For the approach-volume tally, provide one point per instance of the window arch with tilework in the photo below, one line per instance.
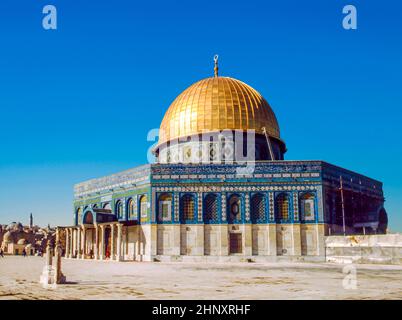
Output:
(131, 208)
(88, 218)
(307, 206)
(258, 208)
(234, 209)
(143, 206)
(107, 206)
(119, 209)
(187, 208)
(282, 207)
(165, 207)
(211, 208)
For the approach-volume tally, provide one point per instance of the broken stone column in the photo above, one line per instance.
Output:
(59, 278)
(47, 275)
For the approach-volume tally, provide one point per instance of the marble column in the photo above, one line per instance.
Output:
(78, 242)
(112, 254)
(84, 242)
(67, 254)
(68, 241)
(119, 235)
(57, 235)
(102, 246)
(71, 242)
(74, 242)
(96, 247)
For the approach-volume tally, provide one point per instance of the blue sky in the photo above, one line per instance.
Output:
(78, 102)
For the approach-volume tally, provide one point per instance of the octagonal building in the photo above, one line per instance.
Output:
(220, 189)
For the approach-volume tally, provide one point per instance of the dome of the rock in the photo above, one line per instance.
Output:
(212, 106)
(215, 104)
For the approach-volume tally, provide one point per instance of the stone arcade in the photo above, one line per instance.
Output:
(195, 203)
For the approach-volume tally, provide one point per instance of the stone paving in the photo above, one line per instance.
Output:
(19, 279)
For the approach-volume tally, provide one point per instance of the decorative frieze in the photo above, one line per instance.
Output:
(153, 205)
(223, 205)
(204, 188)
(295, 206)
(247, 204)
(176, 207)
(271, 206)
(233, 176)
(199, 196)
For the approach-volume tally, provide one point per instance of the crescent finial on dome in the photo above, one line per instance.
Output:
(216, 68)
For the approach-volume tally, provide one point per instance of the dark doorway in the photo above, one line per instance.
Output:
(108, 238)
(235, 240)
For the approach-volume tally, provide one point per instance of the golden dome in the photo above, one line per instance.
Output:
(216, 104)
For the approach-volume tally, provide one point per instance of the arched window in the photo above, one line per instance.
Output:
(211, 208)
(130, 208)
(307, 206)
(143, 206)
(119, 209)
(79, 216)
(94, 206)
(88, 218)
(187, 207)
(282, 207)
(234, 207)
(107, 206)
(257, 208)
(165, 207)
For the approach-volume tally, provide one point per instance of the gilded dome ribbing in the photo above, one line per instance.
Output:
(216, 104)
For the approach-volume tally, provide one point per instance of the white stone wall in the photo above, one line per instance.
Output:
(378, 249)
(137, 243)
(194, 240)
